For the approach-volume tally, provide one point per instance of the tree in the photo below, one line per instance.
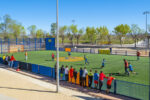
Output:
(62, 31)
(135, 32)
(4, 26)
(78, 35)
(17, 29)
(53, 29)
(121, 31)
(73, 30)
(32, 30)
(103, 32)
(91, 33)
(39, 33)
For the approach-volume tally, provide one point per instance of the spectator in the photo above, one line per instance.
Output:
(66, 73)
(26, 55)
(4, 59)
(71, 73)
(62, 70)
(53, 56)
(101, 79)
(90, 74)
(85, 72)
(138, 55)
(126, 67)
(81, 73)
(8, 60)
(96, 79)
(109, 81)
(75, 75)
(12, 59)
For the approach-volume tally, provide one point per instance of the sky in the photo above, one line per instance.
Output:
(85, 13)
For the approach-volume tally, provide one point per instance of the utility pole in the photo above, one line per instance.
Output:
(57, 32)
(146, 13)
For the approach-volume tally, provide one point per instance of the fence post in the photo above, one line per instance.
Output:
(126, 53)
(8, 45)
(35, 44)
(23, 44)
(40, 42)
(90, 50)
(1, 46)
(29, 43)
(115, 86)
(16, 41)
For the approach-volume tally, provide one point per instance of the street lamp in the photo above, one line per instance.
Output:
(57, 32)
(146, 13)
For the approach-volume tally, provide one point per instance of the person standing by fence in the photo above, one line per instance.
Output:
(81, 73)
(71, 73)
(66, 73)
(138, 55)
(85, 72)
(75, 75)
(109, 81)
(96, 79)
(90, 74)
(12, 59)
(101, 79)
(62, 72)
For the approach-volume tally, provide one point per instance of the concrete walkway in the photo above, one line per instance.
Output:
(22, 87)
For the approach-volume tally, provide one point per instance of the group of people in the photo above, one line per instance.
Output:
(8, 60)
(97, 77)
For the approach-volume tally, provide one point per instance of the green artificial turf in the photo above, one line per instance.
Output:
(114, 63)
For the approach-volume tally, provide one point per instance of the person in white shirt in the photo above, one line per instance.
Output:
(66, 73)
(85, 72)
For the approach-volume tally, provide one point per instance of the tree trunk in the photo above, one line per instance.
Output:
(135, 43)
(120, 41)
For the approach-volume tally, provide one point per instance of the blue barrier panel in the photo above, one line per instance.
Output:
(45, 71)
(53, 72)
(1, 60)
(35, 68)
(16, 63)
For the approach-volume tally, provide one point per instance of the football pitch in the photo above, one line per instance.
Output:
(114, 63)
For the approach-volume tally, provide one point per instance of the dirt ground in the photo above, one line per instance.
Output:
(21, 87)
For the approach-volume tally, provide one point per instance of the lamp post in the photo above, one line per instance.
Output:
(57, 32)
(146, 13)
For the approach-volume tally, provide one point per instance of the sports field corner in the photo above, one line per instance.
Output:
(16, 86)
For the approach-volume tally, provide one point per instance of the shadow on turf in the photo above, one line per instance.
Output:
(48, 60)
(27, 89)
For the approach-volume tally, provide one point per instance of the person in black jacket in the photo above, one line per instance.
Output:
(75, 74)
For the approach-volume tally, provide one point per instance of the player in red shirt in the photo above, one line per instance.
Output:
(101, 79)
(71, 73)
(138, 55)
(109, 81)
(53, 56)
(12, 59)
(126, 67)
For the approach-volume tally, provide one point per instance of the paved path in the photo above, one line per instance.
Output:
(21, 87)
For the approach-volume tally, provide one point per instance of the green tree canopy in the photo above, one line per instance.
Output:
(91, 34)
(32, 30)
(39, 33)
(53, 29)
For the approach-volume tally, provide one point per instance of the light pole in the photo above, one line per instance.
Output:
(57, 32)
(146, 13)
